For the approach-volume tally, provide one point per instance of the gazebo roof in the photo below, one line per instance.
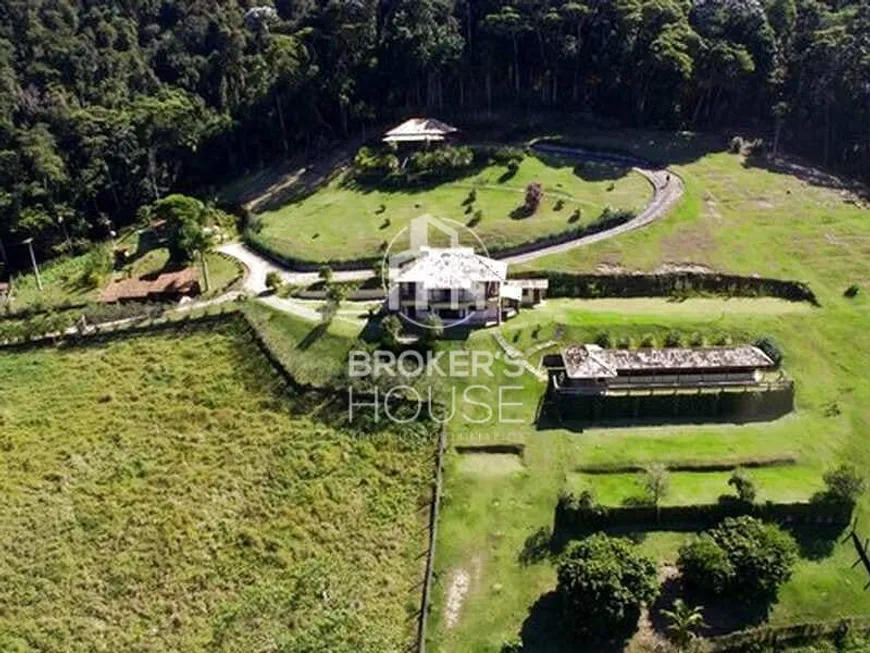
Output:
(418, 130)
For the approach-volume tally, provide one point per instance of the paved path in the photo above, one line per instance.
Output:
(258, 267)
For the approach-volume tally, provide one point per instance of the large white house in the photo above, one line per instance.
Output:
(458, 285)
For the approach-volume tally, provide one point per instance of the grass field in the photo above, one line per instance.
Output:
(341, 221)
(158, 496)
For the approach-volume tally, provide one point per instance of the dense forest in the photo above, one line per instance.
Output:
(106, 105)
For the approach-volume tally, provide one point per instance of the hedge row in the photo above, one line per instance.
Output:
(693, 466)
(803, 634)
(515, 449)
(573, 516)
(566, 284)
(745, 406)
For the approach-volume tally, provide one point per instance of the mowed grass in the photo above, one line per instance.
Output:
(341, 221)
(779, 484)
(487, 518)
(158, 496)
(746, 220)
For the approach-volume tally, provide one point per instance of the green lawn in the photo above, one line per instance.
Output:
(780, 484)
(734, 218)
(158, 496)
(340, 221)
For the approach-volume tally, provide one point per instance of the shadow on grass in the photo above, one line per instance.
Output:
(543, 631)
(313, 336)
(805, 172)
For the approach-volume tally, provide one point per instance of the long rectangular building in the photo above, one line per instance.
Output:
(590, 369)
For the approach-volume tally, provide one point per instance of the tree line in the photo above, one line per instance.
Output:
(106, 107)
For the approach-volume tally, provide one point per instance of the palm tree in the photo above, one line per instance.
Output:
(683, 620)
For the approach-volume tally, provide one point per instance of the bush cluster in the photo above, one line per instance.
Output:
(506, 155)
(602, 583)
(34, 327)
(743, 557)
(372, 164)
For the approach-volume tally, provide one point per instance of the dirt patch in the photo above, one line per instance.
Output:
(490, 464)
(460, 582)
(649, 636)
(605, 267)
(711, 208)
(762, 203)
(671, 267)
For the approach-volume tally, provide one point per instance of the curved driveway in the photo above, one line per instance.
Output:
(667, 191)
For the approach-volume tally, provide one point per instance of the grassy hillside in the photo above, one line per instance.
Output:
(158, 496)
(342, 221)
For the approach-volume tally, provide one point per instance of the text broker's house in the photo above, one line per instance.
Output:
(456, 284)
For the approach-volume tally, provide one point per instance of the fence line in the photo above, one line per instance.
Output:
(434, 510)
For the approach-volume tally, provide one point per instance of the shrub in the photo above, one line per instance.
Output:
(534, 195)
(325, 273)
(440, 163)
(559, 205)
(648, 340)
(736, 145)
(505, 156)
(743, 485)
(852, 291)
(374, 165)
(602, 583)
(697, 339)
(673, 339)
(760, 558)
(434, 329)
(704, 564)
(575, 216)
(97, 265)
(274, 281)
(391, 330)
(656, 483)
(624, 342)
(512, 168)
(604, 339)
(723, 340)
(770, 347)
(476, 218)
(844, 484)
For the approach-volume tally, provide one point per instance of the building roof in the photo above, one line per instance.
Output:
(179, 282)
(419, 130)
(453, 267)
(591, 361)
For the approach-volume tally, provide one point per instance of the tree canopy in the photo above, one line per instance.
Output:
(743, 557)
(602, 583)
(105, 107)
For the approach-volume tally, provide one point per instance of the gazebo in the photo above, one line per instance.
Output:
(421, 130)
